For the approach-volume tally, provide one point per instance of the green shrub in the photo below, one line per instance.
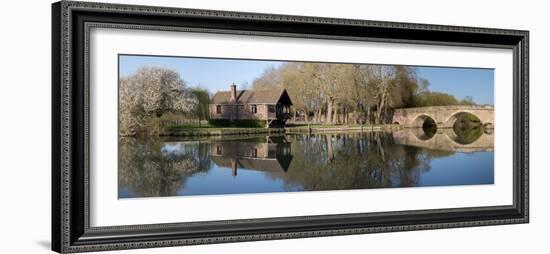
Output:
(237, 123)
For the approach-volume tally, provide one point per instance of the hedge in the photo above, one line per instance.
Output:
(238, 123)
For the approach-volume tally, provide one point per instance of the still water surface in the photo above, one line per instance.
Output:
(302, 162)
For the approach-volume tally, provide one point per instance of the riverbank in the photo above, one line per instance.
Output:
(210, 131)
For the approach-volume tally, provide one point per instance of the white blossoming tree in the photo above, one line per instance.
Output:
(146, 95)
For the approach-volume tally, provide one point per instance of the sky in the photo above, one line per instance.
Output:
(218, 74)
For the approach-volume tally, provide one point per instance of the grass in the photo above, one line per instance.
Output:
(211, 130)
(320, 126)
(210, 126)
(193, 126)
(243, 123)
(195, 130)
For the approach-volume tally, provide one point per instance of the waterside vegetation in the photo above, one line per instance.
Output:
(324, 96)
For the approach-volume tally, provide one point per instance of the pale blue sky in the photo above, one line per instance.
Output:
(461, 82)
(218, 74)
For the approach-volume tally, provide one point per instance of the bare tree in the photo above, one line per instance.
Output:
(201, 111)
(331, 92)
(385, 77)
(270, 78)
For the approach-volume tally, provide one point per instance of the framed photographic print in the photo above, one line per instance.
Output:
(181, 126)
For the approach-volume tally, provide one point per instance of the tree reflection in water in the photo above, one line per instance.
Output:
(354, 161)
(151, 168)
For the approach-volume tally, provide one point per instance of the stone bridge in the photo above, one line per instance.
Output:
(443, 116)
(444, 139)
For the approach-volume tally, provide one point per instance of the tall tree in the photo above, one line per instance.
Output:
(269, 79)
(315, 98)
(331, 92)
(385, 77)
(147, 95)
(201, 111)
(297, 84)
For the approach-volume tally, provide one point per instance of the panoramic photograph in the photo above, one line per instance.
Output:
(212, 126)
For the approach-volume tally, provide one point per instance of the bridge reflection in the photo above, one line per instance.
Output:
(446, 139)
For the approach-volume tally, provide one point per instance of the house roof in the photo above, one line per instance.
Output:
(271, 96)
(258, 164)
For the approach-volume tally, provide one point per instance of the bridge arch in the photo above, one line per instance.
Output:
(424, 120)
(444, 116)
(453, 117)
(428, 127)
(449, 136)
(421, 135)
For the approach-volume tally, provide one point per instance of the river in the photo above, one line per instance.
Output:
(303, 162)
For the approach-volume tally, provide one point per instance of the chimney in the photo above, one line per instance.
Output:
(233, 92)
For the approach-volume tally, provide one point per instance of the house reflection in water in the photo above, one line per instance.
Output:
(270, 154)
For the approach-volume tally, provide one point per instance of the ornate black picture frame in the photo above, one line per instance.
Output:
(71, 22)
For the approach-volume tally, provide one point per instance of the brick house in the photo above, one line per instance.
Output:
(272, 106)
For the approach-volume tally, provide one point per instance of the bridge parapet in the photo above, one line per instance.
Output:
(443, 116)
(450, 107)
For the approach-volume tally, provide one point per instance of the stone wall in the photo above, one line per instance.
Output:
(444, 116)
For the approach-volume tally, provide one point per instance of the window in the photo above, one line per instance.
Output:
(219, 149)
(254, 109)
(218, 109)
(271, 153)
(271, 108)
